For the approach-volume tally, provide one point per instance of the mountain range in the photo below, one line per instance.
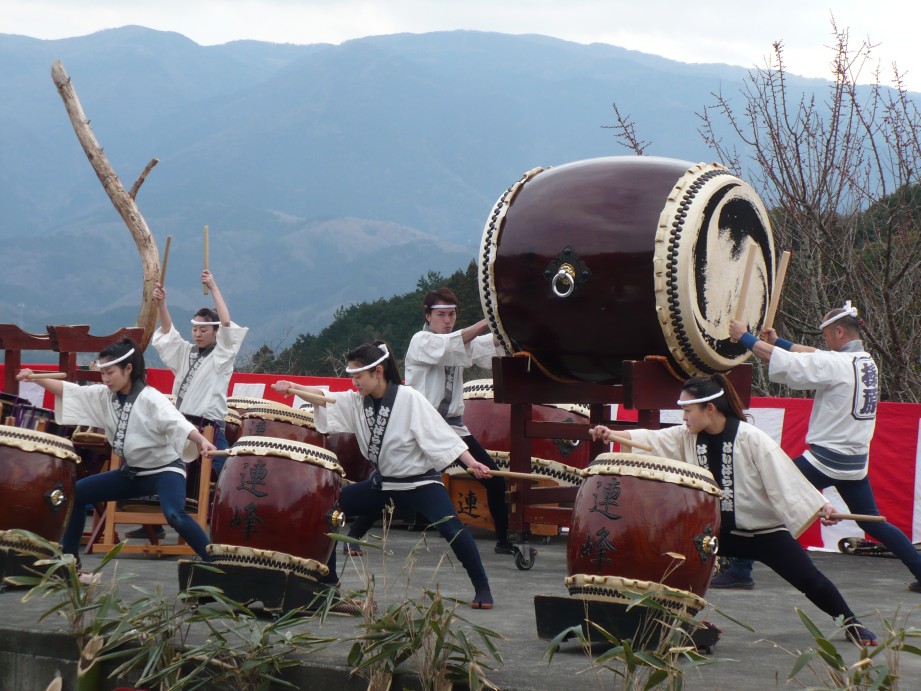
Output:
(327, 174)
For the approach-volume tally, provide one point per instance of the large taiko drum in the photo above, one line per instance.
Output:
(282, 421)
(599, 261)
(490, 423)
(643, 520)
(38, 472)
(278, 495)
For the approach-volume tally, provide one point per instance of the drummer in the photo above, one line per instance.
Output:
(145, 430)
(408, 444)
(202, 368)
(435, 363)
(766, 502)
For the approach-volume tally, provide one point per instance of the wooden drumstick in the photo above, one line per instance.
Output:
(858, 517)
(508, 473)
(206, 256)
(778, 286)
(624, 441)
(310, 395)
(220, 452)
(35, 376)
(746, 280)
(169, 239)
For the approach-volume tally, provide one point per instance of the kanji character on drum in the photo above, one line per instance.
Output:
(408, 444)
(846, 381)
(435, 362)
(766, 503)
(145, 430)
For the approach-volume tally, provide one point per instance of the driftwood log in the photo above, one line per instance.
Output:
(122, 200)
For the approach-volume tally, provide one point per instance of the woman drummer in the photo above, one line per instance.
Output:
(408, 444)
(145, 430)
(766, 501)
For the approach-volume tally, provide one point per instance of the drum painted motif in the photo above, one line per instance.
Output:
(38, 472)
(489, 422)
(278, 495)
(646, 519)
(599, 261)
(281, 421)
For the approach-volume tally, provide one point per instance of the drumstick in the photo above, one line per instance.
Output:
(169, 239)
(624, 441)
(508, 473)
(778, 286)
(746, 280)
(47, 375)
(858, 517)
(310, 395)
(220, 452)
(206, 255)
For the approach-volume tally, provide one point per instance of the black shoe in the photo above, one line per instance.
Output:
(505, 547)
(141, 533)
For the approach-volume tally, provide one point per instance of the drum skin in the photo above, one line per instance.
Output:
(37, 488)
(490, 423)
(656, 250)
(275, 503)
(626, 526)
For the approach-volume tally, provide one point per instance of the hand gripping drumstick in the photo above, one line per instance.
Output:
(778, 286)
(169, 239)
(35, 376)
(624, 441)
(310, 395)
(206, 256)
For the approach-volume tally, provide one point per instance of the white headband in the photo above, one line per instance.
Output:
(703, 399)
(443, 307)
(101, 365)
(356, 370)
(849, 311)
(197, 323)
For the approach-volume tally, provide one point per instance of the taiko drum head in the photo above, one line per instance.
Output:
(595, 262)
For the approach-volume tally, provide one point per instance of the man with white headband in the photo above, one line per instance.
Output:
(765, 504)
(202, 368)
(846, 381)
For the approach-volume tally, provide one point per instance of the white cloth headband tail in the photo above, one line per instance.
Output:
(703, 399)
(103, 365)
(355, 370)
(849, 311)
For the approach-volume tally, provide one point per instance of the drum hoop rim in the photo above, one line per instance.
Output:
(279, 414)
(636, 585)
(219, 549)
(50, 444)
(694, 476)
(312, 454)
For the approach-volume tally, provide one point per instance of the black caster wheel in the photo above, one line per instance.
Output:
(522, 561)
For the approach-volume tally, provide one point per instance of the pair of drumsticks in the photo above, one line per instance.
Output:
(169, 240)
(778, 285)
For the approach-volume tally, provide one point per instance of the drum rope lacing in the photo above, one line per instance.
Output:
(262, 446)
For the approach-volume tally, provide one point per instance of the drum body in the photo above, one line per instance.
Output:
(599, 261)
(490, 423)
(233, 426)
(281, 421)
(648, 519)
(348, 453)
(38, 472)
(277, 495)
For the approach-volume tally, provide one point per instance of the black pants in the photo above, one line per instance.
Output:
(781, 552)
(495, 497)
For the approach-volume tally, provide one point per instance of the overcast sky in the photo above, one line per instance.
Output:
(737, 33)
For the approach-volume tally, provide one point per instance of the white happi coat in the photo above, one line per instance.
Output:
(846, 383)
(157, 433)
(428, 355)
(206, 395)
(416, 440)
(769, 491)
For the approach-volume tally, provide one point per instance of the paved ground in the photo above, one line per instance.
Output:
(874, 587)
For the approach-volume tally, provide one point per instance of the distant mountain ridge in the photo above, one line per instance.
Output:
(327, 174)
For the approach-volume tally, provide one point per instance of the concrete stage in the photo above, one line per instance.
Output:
(874, 587)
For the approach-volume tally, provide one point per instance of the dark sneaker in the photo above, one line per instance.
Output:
(505, 547)
(350, 550)
(728, 580)
(483, 598)
(915, 587)
(141, 533)
(858, 634)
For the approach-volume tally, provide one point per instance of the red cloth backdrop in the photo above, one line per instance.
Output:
(894, 454)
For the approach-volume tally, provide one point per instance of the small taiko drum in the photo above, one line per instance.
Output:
(38, 472)
(278, 495)
(233, 426)
(281, 421)
(469, 495)
(490, 423)
(642, 522)
(19, 412)
(93, 448)
(591, 263)
(241, 404)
